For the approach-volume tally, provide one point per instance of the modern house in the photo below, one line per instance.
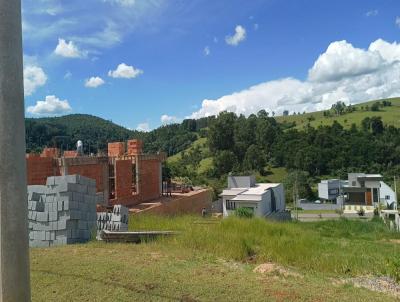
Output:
(359, 190)
(262, 199)
(330, 189)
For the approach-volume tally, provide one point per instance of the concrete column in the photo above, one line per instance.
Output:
(14, 252)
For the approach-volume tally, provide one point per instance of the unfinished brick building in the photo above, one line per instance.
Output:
(126, 176)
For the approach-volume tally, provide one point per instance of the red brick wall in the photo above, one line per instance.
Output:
(123, 179)
(39, 168)
(93, 171)
(50, 152)
(69, 154)
(116, 149)
(135, 147)
(149, 186)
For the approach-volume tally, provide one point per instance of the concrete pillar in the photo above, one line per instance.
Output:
(14, 252)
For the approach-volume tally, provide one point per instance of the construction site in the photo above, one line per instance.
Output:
(126, 176)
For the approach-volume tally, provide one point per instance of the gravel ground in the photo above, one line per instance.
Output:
(380, 284)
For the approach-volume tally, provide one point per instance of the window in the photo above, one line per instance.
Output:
(353, 183)
(387, 197)
(230, 205)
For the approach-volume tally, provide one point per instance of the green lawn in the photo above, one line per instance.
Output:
(213, 260)
(275, 175)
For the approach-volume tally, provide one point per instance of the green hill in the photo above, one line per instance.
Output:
(65, 131)
(321, 144)
(390, 115)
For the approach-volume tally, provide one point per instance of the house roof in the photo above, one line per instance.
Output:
(233, 191)
(253, 193)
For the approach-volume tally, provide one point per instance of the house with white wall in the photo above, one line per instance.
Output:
(359, 190)
(261, 198)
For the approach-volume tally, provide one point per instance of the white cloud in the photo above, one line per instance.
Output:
(207, 51)
(398, 21)
(125, 3)
(372, 13)
(68, 75)
(215, 40)
(125, 71)
(342, 59)
(94, 82)
(256, 26)
(34, 77)
(50, 106)
(167, 119)
(68, 50)
(144, 127)
(343, 73)
(390, 52)
(239, 36)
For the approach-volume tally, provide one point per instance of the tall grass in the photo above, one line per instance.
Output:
(336, 247)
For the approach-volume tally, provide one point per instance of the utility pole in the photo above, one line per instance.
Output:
(14, 251)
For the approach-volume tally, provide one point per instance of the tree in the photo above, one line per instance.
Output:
(221, 134)
(254, 159)
(366, 124)
(376, 125)
(285, 113)
(339, 107)
(375, 106)
(224, 162)
(386, 103)
(297, 183)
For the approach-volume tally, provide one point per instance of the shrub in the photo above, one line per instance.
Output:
(361, 212)
(375, 106)
(244, 213)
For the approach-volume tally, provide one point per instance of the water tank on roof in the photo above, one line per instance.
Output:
(79, 147)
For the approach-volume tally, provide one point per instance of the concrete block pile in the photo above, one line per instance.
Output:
(117, 220)
(62, 212)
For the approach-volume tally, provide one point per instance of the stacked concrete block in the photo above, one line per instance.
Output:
(117, 220)
(62, 212)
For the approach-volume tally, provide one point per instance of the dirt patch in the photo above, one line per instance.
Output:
(232, 264)
(188, 298)
(272, 268)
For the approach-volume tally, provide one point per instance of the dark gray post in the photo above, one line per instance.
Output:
(14, 251)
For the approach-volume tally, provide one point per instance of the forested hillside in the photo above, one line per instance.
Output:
(63, 132)
(304, 147)
(262, 145)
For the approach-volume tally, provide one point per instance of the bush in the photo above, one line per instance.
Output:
(361, 212)
(244, 213)
(375, 106)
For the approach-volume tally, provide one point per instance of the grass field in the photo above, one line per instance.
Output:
(213, 260)
(390, 116)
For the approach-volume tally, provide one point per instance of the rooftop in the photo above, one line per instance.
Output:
(258, 189)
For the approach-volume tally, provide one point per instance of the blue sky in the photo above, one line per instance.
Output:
(142, 63)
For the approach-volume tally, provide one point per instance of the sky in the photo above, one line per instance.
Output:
(147, 63)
